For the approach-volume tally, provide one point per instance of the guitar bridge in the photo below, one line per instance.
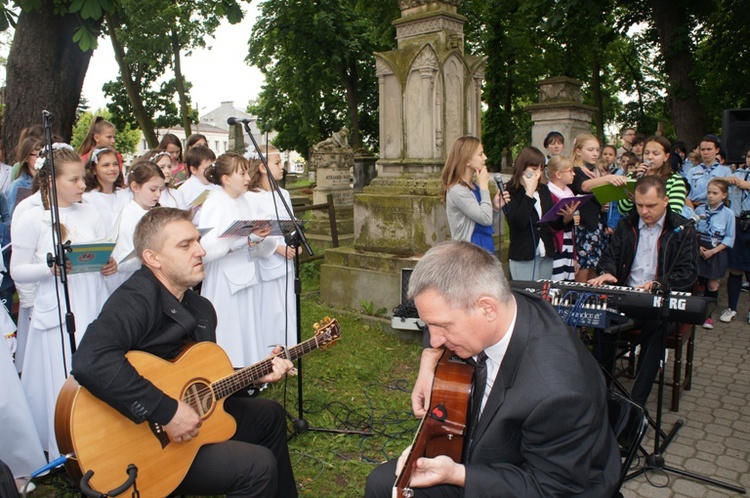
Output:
(160, 433)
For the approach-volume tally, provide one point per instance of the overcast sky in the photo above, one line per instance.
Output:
(218, 73)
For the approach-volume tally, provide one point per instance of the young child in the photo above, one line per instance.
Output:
(105, 188)
(197, 159)
(231, 275)
(739, 254)
(173, 146)
(554, 142)
(531, 251)
(275, 307)
(638, 143)
(146, 181)
(590, 233)
(195, 140)
(47, 352)
(101, 135)
(27, 153)
(715, 234)
(609, 155)
(467, 203)
(560, 173)
(163, 159)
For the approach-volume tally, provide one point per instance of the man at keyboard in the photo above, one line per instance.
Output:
(643, 248)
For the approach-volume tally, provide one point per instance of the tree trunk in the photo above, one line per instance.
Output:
(45, 72)
(180, 82)
(352, 104)
(671, 20)
(139, 111)
(596, 93)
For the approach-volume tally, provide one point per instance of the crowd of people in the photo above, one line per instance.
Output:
(698, 184)
(248, 277)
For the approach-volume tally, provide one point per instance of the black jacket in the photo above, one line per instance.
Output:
(140, 315)
(617, 259)
(523, 222)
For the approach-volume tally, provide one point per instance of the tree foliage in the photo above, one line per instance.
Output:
(320, 71)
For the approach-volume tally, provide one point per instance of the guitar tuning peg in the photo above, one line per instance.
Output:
(327, 319)
(316, 326)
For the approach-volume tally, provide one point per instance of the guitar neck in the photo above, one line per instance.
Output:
(245, 377)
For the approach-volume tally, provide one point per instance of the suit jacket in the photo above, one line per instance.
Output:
(544, 430)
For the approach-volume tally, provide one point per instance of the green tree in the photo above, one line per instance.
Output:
(171, 29)
(320, 71)
(48, 60)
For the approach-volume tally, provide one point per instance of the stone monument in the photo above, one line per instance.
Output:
(430, 94)
(333, 159)
(560, 108)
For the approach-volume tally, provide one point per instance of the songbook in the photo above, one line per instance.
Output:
(552, 215)
(609, 193)
(89, 257)
(200, 199)
(243, 228)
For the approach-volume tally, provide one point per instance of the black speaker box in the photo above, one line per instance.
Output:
(736, 137)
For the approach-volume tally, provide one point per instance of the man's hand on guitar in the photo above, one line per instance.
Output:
(184, 425)
(439, 470)
(281, 366)
(420, 396)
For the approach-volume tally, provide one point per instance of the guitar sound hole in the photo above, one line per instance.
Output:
(200, 397)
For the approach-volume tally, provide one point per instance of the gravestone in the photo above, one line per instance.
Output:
(430, 94)
(560, 108)
(333, 160)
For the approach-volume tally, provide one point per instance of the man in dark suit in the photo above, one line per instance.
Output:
(542, 426)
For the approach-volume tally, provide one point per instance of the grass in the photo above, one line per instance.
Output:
(363, 382)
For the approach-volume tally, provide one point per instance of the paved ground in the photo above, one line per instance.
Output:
(715, 440)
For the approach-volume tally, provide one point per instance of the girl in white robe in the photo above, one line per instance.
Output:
(146, 181)
(163, 159)
(275, 310)
(197, 159)
(47, 358)
(231, 277)
(20, 447)
(105, 188)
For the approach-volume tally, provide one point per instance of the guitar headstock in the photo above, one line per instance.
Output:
(327, 331)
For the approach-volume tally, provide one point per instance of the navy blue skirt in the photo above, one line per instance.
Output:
(739, 254)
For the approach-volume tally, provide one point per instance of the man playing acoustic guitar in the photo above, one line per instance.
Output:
(538, 426)
(155, 311)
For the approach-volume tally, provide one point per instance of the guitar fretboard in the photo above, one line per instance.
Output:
(247, 376)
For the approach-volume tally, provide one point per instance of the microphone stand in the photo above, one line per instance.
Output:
(60, 248)
(655, 460)
(295, 239)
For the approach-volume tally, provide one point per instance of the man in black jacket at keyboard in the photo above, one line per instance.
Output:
(643, 248)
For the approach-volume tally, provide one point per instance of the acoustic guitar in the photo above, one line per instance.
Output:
(443, 428)
(107, 443)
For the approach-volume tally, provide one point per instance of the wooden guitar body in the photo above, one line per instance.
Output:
(443, 428)
(106, 442)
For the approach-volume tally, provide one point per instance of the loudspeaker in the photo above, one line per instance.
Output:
(735, 124)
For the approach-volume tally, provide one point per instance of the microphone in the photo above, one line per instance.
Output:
(647, 163)
(690, 222)
(234, 121)
(499, 180)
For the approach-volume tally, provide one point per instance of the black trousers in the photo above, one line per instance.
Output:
(254, 463)
(653, 333)
(380, 485)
